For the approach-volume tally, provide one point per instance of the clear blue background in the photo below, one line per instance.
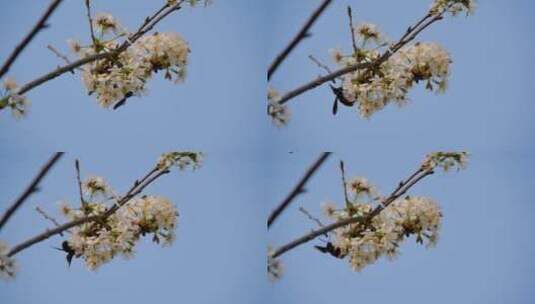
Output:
(484, 256)
(486, 251)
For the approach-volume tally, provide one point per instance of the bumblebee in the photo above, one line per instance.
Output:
(332, 250)
(339, 97)
(66, 248)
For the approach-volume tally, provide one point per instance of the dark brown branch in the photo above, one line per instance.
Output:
(137, 188)
(351, 28)
(79, 181)
(32, 188)
(401, 189)
(90, 20)
(303, 33)
(411, 33)
(41, 24)
(147, 25)
(344, 183)
(298, 189)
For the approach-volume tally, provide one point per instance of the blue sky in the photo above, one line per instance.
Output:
(484, 256)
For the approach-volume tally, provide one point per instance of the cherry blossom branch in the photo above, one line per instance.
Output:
(79, 181)
(409, 35)
(90, 20)
(146, 26)
(138, 187)
(40, 25)
(401, 189)
(32, 188)
(303, 33)
(298, 189)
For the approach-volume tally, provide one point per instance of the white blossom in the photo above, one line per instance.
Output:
(8, 267)
(364, 245)
(445, 160)
(182, 160)
(279, 113)
(99, 242)
(113, 80)
(453, 7)
(18, 103)
(275, 268)
(371, 91)
(95, 185)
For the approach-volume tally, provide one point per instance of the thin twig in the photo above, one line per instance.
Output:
(402, 188)
(344, 183)
(319, 64)
(137, 188)
(411, 33)
(303, 33)
(48, 217)
(310, 216)
(58, 54)
(79, 180)
(32, 188)
(351, 28)
(298, 189)
(90, 20)
(41, 24)
(147, 25)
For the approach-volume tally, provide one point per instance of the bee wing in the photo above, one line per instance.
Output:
(321, 249)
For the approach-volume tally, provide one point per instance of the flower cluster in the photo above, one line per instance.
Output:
(445, 160)
(100, 241)
(453, 7)
(182, 160)
(382, 224)
(120, 77)
(371, 89)
(279, 113)
(8, 267)
(11, 98)
(117, 223)
(364, 243)
(95, 185)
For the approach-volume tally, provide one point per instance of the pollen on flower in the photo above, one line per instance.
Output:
(95, 185)
(369, 32)
(8, 267)
(105, 23)
(359, 186)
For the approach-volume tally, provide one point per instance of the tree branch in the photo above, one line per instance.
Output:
(411, 33)
(90, 20)
(401, 189)
(137, 188)
(147, 25)
(298, 189)
(32, 188)
(41, 24)
(303, 33)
